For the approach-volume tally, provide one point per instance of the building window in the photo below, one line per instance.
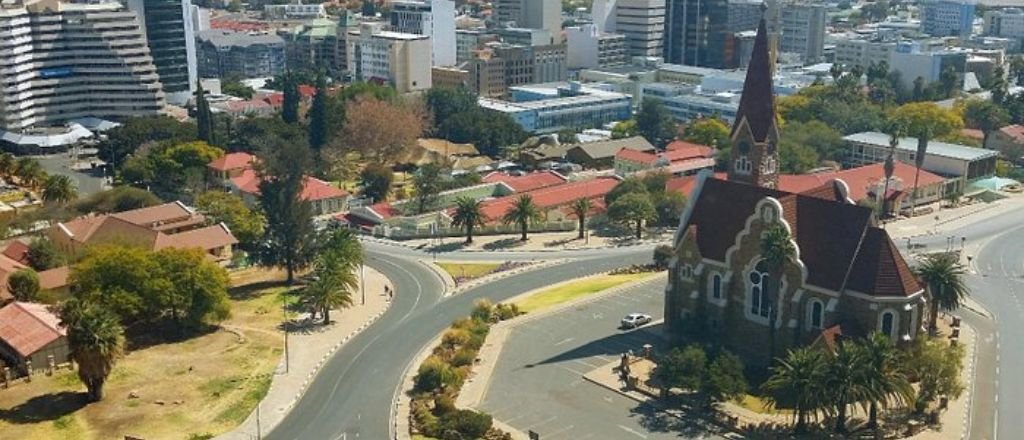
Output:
(743, 165)
(816, 312)
(887, 323)
(760, 296)
(716, 286)
(686, 272)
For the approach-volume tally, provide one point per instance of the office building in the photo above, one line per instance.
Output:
(168, 25)
(588, 48)
(550, 108)
(802, 30)
(487, 75)
(223, 53)
(318, 44)
(433, 18)
(1007, 23)
(913, 63)
(402, 60)
(449, 77)
(947, 18)
(549, 63)
(467, 41)
(74, 60)
(536, 14)
(524, 36)
(863, 52)
(698, 33)
(294, 11)
(641, 21)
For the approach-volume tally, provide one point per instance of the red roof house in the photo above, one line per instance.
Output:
(31, 332)
(552, 198)
(526, 182)
(242, 179)
(679, 158)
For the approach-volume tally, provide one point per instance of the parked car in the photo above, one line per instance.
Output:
(634, 320)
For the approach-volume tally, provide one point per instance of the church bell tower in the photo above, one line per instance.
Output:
(754, 157)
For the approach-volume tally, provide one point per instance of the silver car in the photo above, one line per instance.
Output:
(634, 320)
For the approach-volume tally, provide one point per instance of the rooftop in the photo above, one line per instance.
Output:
(935, 148)
(28, 327)
(551, 197)
(229, 38)
(526, 182)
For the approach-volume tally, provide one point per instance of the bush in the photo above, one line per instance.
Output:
(423, 419)
(464, 357)
(505, 312)
(662, 255)
(434, 373)
(482, 310)
(455, 338)
(464, 424)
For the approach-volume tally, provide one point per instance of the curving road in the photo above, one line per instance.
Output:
(353, 394)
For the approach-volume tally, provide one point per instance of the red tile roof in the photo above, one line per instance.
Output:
(1014, 131)
(859, 180)
(28, 327)
(528, 182)
(17, 251)
(232, 161)
(162, 216)
(208, 238)
(636, 156)
(313, 189)
(54, 278)
(682, 150)
(552, 197)
(247, 182)
(973, 133)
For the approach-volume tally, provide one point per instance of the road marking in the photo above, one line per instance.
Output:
(633, 431)
(564, 341)
(549, 420)
(570, 369)
(608, 399)
(597, 315)
(551, 434)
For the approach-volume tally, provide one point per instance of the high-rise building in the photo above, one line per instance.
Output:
(947, 18)
(1007, 23)
(168, 25)
(549, 63)
(224, 53)
(433, 18)
(536, 14)
(697, 33)
(399, 59)
(862, 52)
(588, 48)
(803, 31)
(74, 60)
(317, 44)
(641, 21)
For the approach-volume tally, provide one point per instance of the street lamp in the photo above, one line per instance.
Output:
(362, 281)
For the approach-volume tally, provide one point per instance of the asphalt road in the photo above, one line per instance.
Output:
(86, 183)
(538, 380)
(353, 395)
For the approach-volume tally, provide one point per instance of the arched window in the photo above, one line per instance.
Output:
(716, 286)
(760, 297)
(743, 165)
(816, 314)
(887, 323)
(686, 272)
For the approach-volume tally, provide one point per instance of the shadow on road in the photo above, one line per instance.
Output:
(615, 345)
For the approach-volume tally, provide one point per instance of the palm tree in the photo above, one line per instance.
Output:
(776, 250)
(345, 245)
(943, 275)
(96, 340)
(59, 189)
(580, 208)
(886, 382)
(846, 380)
(29, 172)
(798, 380)
(467, 215)
(523, 213)
(334, 282)
(7, 165)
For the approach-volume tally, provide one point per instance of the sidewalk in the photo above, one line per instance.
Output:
(309, 349)
(950, 219)
(541, 241)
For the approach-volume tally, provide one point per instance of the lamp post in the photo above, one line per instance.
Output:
(362, 281)
(284, 310)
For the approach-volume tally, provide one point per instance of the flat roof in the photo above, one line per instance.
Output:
(935, 148)
(506, 106)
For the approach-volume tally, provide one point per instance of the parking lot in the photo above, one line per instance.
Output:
(538, 380)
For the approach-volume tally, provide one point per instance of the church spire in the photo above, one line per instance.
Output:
(754, 158)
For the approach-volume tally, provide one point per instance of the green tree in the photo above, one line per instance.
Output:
(117, 199)
(943, 275)
(376, 181)
(333, 284)
(682, 368)
(446, 102)
(247, 225)
(491, 132)
(193, 291)
(204, 116)
(318, 117)
(777, 250)
(580, 208)
(119, 279)
(95, 340)
(344, 245)
(234, 6)
(29, 172)
(655, 123)
(123, 140)
(43, 254)
(290, 103)
(936, 364)
(624, 129)
(464, 424)
(289, 237)
(59, 188)
(235, 88)
(24, 285)
(467, 215)
(523, 213)
(662, 256)
(824, 141)
(7, 165)
(950, 81)
(629, 185)
(799, 380)
(925, 121)
(427, 182)
(886, 382)
(567, 136)
(669, 207)
(796, 158)
(725, 380)
(985, 116)
(632, 209)
(847, 381)
(712, 132)
(250, 133)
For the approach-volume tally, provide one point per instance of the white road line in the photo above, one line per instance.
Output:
(564, 341)
(633, 431)
(570, 369)
(556, 432)
(583, 362)
(546, 421)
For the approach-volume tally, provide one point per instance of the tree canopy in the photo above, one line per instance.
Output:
(247, 225)
(289, 236)
(134, 132)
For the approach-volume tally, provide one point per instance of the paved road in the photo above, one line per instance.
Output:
(353, 394)
(538, 381)
(60, 164)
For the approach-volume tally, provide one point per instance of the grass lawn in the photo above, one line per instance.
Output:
(576, 289)
(468, 270)
(760, 406)
(202, 386)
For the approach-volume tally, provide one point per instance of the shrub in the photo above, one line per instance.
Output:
(463, 357)
(434, 373)
(662, 255)
(455, 338)
(444, 404)
(505, 312)
(464, 424)
(482, 310)
(423, 419)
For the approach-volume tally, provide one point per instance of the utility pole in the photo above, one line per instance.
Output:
(284, 310)
(362, 280)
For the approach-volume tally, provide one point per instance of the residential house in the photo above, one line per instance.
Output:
(237, 173)
(601, 155)
(31, 334)
(528, 181)
(679, 158)
(554, 202)
(1009, 141)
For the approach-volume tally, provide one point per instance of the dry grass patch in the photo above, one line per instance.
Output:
(468, 270)
(204, 385)
(576, 289)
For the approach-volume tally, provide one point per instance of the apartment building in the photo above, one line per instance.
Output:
(402, 60)
(223, 53)
(947, 18)
(317, 44)
(170, 33)
(802, 30)
(1007, 23)
(641, 21)
(535, 14)
(73, 60)
(588, 47)
(433, 18)
(863, 52)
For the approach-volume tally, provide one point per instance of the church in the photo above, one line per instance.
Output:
(847, 278)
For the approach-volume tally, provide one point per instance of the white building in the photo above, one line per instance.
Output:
(913, 63)
(170, 34)
(641, 21)
(803, 31)
(433, 18)
(402, 60)
(947, 18)
(1008, 23)
(863, 52)
(588, 48)
(294, 11)
(536, 14)
(73, 60)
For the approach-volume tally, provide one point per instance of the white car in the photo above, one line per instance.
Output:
(634, 320)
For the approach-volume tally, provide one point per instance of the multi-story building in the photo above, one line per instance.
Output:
(863, 52)
(223, 53)
(641, 21)
(1008, 23)
(487, 75)
(947, 18)
(549, 63)
(913, 63)
(524, 36)
(802, 30)
(536, 14)
(468, 41)
(449, 77)
(402, 60)
(433, 18)
(942, 158)
(294, 11)
(73, 60)
(518, 61)
(703, 32)
(587, 48)
(317, 44)
(546, 109)
(168, 25)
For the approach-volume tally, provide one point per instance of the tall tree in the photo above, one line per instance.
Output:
(247, 225)
(193, 290)
(886, 382)
(332, 286)
(633, 209)
(777, 250)
(798, 379)
(725, 380)
(290, 103)
(985, 116)
(318, 117)
(204, 116)
(445, 102)
(846, 382)
(96, 341)
(24, 285)
(950, 81)
(467, 215)
(59, 188)
(289, 237)
(125, 139)
(943, 275)
(523, 213)
(580, 208)
(925, 121)
(427, 182)
(376, 181)
(655, 123)
(682, 368)
(381, 130)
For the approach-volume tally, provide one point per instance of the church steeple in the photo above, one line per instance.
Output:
(755, 134)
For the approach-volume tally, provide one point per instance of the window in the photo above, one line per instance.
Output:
(716, 286)
(760, 297)
(816, 313)
(888, 323)
(686, 272)
(743, 165)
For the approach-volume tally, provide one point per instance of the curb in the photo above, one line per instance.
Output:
(389, 242)
(476, 282)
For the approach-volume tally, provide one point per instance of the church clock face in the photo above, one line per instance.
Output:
(744, 146)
